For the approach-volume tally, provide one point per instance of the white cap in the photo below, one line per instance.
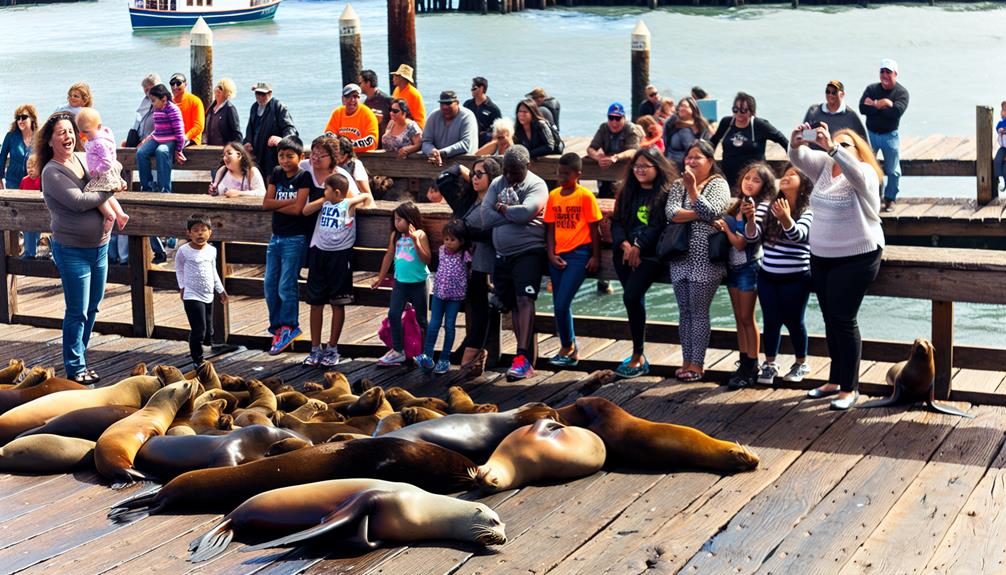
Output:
(889, 63)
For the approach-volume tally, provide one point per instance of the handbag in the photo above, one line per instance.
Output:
(719, 248)
(673, 241)
(132, 138)
(412, 336)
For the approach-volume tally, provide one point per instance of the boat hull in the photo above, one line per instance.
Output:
(141, 18)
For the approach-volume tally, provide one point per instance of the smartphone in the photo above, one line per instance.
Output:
(809, 135)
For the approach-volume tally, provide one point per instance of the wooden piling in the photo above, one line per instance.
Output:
(402, 35)
(988, 187)
(350, 46)
(640, 64)
(221, 309)
(8, 294)
(485, 6)
(141, 295)
(201, 70)
(943, 346)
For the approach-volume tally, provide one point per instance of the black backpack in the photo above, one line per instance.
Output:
(557, 144)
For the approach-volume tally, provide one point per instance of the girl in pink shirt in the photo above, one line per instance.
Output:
(101, 163)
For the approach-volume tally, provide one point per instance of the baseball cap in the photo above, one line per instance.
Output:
(178, 77)
(448, 97)
(350, 89)
(262, 87)
(889, 63)
(836, 85)
(616, 109)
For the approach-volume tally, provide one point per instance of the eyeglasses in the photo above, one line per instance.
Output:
(479, 174)
(317, 156)
(395, 110)
(615, 118)
(737, 110)
(176, 83)
(642, 167)
(831, 92)
(20, 117)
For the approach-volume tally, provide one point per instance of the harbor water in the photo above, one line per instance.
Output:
(950, 58)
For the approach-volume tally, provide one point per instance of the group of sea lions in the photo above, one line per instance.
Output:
(287, 465)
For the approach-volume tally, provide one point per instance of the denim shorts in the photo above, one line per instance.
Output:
(744, 277)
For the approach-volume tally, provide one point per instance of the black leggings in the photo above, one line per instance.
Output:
(477, 311)
(635, 284)
(201, 325)
(840, 284)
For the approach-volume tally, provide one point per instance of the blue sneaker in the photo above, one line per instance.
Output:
(286, 337)
(519, 369)
(626, 372)
(443, 366)
(571, 360)
(424, 362)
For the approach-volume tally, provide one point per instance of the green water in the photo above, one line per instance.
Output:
(950, 59)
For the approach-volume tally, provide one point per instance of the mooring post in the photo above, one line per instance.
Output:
(795, 4)
(8, 295)
(402, 36)
(988, 187)
(201, 71)
(943, 347)
(141, 295)
(350, 47)
(640, 64)
(222, 309)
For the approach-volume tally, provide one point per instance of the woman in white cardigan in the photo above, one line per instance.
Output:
(846, 242)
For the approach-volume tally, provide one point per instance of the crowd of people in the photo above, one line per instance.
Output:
(679, 215)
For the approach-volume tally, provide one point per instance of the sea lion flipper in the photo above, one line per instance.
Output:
(948, 409)
(211, 544)
(878, 403)
(356, 508)
(285, 446)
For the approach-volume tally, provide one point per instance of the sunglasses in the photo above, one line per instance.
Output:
(479, 173)
(831, 92)
(175, 83)
(886, 71)
(737, 110)
(846, 144)
(652, 95)
(20, 117)
(395, 110)
(615, 118)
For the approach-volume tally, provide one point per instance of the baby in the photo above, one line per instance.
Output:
(105, 170)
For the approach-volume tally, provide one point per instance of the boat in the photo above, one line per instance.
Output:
(184, 13)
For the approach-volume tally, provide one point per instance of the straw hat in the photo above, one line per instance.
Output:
(404, 71)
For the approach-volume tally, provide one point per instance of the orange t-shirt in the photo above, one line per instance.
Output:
(193, 116)
(360, 128)
(572, 216)
(414, 100)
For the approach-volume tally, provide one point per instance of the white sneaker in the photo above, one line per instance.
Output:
(769, 370)
(392, 358)
(797, 373)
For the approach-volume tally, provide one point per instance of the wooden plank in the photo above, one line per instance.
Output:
(971, 545)
(908, 536)
(222, 309)
(941, 209)
(914, 210)
(990, 212)
(858, 503)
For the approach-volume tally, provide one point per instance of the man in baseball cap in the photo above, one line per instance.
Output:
(834, 112)
(883, 104)
(354, 120)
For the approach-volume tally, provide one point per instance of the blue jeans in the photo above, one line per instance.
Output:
(889, 145)
(282, 267)
(118, 249)
(998, 164)
(442, 312)
(164, 154)
(83, 272)
(565, 284)
(31, 244)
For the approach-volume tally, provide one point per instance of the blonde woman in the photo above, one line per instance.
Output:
(501, 141)
(222, 124)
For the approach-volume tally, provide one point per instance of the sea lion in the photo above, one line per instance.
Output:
(34, 376)
(261, 407)
(9, 374)
(46, 453)
(474, 435)
(210, 395)
(182, 430)
(310, 409)
(210, 417)
(458, 401)
(88, 423)
(117, 447)
(400, 419)
(544, 450)
(133, 391)
(206, 374)
(273, 382)
(372, 512)
(169, 373)
(139, 369)
(222, 489)
(640, 443)
(915, 380)
(290, 400)
(167, 457)
(231, 382)
(400, 398)
(316, 432)
(370, 402)
(11, 398)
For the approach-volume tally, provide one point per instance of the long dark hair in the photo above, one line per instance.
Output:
(330, 146)
(532, 107)
(246, 163)
(43, 151)
(346, 148)
(160, 91)
(773, 228)
(404, 106)
(630, 189)
(408, 212)
(768, 186)
(699, 123)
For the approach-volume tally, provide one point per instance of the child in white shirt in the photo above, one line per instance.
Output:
(196, 270)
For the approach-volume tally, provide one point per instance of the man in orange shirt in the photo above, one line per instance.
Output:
(193, 112)
(353, 120)
(405, 89)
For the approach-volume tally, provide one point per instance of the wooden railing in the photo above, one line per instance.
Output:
(941, 275)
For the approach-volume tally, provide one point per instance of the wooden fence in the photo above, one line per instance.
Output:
(943, 276)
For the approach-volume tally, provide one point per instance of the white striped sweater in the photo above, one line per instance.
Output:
(790, 254)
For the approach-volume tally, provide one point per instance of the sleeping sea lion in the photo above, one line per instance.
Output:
(316, 432)
(400, 419)
(400, 398)
(11, 398)
(45, 453)
(9, 374)
(222, 489)
(474, 435)
(915, 380)
(34, 376)
(261, 407)
(546, 450)
(372, 512)
(458, 401)
(117, 447)
(640, 443)
(88, 423)
(210, 417)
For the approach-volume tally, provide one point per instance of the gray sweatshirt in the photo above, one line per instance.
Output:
(522, 229)
(75, 219)
(459, 137)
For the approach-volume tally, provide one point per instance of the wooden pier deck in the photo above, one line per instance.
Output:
(866, 491)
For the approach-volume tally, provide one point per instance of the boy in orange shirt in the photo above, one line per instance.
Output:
(574, 248)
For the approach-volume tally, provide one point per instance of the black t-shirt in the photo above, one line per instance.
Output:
(285, 225)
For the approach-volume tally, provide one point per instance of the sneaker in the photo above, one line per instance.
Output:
(797, 373)
(745, 376)
(604, 287)
(570, 360)
(159, 259)
(443, 366)
(170, 242)
(626, 372)
(275, 340)
(314, 358)
(331, 357)
(424, 362)
(769, 370)
(286, 337)
(391, 358)
(519, 369)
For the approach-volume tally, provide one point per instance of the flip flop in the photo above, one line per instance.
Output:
(689, 376)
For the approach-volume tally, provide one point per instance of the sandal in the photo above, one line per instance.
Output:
(680, 372)
(689, 376)
(87, 377)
